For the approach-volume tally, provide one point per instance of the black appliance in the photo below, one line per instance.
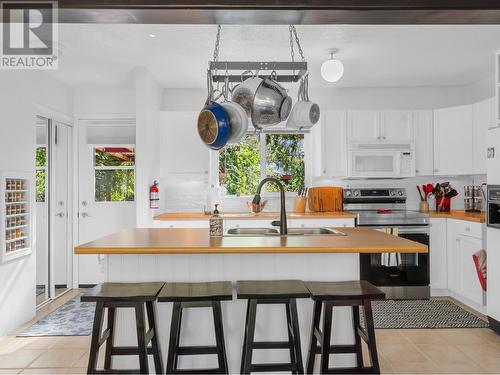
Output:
(399, 275)
(493, 206)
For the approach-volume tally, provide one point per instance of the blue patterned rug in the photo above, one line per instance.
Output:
(74, 318)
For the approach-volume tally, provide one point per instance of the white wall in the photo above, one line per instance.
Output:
(482, 89)
(20, 92)
(147, 104)
(104, 100)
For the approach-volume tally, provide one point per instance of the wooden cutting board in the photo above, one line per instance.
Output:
(325, 199)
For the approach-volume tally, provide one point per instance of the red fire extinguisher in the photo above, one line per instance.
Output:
(154, 196)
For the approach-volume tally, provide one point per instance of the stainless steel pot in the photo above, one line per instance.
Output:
(265, 101)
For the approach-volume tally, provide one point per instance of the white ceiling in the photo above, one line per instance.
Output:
(386, 56)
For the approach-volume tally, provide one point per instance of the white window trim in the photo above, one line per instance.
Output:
(263, 161)
(112, 168)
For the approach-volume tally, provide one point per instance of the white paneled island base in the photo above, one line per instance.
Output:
(197, 326)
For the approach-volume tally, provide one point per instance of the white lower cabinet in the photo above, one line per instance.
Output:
(292, 223)
(452, 270)
(464, 239)
(437, 255)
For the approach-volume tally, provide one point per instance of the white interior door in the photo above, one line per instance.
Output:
(61, 227)
(106, 203)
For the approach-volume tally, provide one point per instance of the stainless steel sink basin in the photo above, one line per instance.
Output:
(258, 232)
(252, 231)
(315, 231)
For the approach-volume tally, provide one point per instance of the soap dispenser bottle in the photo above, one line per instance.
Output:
(216, 224)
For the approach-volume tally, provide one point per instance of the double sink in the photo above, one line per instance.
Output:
(260, 232)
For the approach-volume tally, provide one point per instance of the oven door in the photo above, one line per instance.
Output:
(398, 269)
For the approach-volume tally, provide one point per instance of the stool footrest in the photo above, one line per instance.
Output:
(197, 371)
(128, 350)
(349, 370)
(117, 371)
(267, 367)
(342, 349)
(270, 345)
(196, 350)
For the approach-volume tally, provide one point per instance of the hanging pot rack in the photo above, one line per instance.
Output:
(281, 71)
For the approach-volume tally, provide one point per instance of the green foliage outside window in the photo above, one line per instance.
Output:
(285, 160)
(240, 164)
(40, 164)
(114, 184)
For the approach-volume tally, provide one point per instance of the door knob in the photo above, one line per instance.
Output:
(60, 214)
(84, 215)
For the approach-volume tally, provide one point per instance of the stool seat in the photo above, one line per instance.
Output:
(191, 292)
(342, 290)
(271, 289)
(130, 292)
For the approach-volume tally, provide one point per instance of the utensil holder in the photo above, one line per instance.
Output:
(424, 206)
(299, 205)
(445, 206)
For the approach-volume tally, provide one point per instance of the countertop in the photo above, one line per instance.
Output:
(198, 241)
(194, 216)
(479, 217)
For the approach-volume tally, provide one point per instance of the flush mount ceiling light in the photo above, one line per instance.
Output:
(333, 69)
(152, 35)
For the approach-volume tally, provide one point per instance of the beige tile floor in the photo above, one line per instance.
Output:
(403, 351)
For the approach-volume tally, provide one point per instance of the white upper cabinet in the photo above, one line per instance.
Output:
(380, 127)
(424, 139)
(330, 139)
(181, 150)
(363, 127)
(396, 127)
(483, 113)
(452, 141)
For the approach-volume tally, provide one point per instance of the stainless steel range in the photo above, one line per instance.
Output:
(400, 275)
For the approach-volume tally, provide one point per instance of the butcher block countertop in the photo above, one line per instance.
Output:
(197, 241)
(479, 217)
(194, 216)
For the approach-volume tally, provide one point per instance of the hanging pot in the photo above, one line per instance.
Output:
(244, 93)
(304, 113)
(238, 119)
(271, 103)
(264, 100)
(213, 122)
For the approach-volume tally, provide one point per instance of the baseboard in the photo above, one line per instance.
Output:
(494, 324)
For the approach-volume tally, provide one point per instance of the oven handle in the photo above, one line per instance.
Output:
(407, 230)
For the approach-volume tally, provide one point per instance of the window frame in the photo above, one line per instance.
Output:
(263, 162)
(127, 167)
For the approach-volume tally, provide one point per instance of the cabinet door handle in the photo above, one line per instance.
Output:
(383, 137)
(436, 170)
(467, 229)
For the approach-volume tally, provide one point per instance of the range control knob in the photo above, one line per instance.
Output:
(400, 193)
(356, 193)
(348, 193)
(392, 193)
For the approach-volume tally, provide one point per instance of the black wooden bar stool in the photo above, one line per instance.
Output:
(327, 295)
(190, 295)
(111, 296)
(272, 292)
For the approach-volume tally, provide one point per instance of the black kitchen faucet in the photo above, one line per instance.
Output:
(256, 200)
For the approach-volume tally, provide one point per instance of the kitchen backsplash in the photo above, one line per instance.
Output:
(191, 192)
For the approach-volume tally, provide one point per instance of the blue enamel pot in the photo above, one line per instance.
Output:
(213, 126)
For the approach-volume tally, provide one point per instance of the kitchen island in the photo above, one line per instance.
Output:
(190, 255)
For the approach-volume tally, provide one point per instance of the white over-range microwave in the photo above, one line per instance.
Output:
(376, 161)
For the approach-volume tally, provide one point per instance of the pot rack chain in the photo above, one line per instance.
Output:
(299, 68)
